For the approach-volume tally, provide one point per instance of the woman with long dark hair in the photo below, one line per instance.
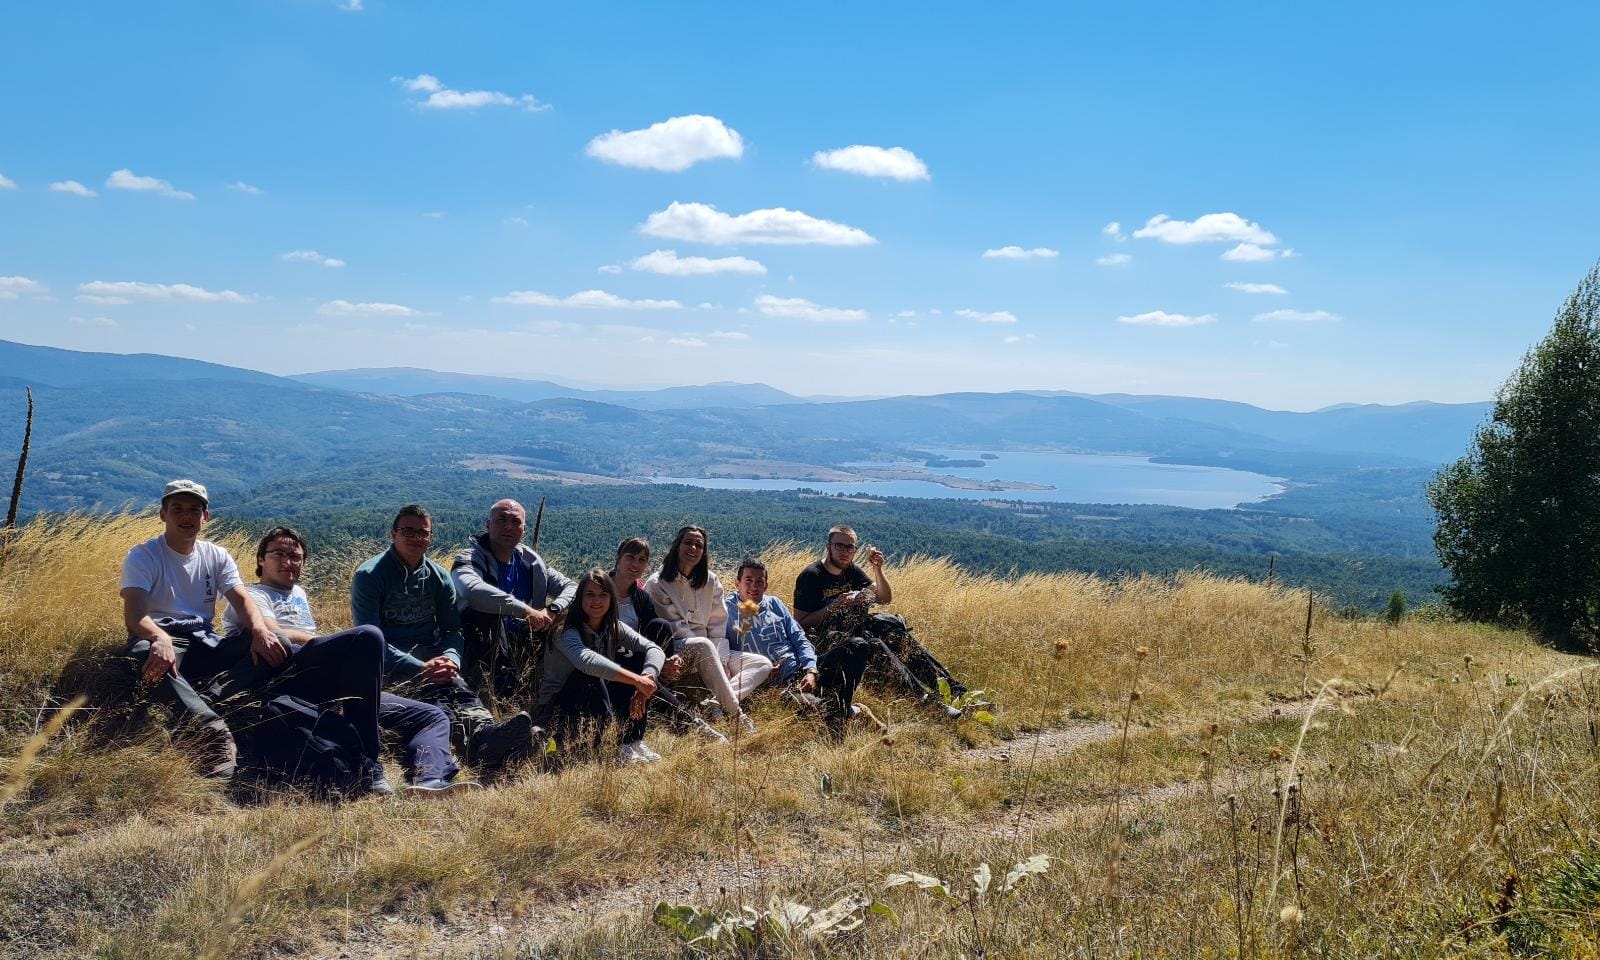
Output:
(689, 597)
(599, 671)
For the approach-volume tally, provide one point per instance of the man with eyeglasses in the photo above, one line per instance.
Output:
(509, 599)
(413, 601)
(344, 668)
(830, 601)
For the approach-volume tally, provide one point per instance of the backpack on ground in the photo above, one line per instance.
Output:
(289, 740)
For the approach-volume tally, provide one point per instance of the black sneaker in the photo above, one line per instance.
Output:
(374, 781)
(496, 743)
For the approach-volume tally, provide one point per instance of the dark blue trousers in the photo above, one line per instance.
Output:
(426, 731)
(343, 669)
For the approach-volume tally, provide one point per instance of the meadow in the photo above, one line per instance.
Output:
(1183, 766)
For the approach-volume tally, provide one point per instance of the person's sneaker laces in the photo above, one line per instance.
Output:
(643, 749)
(438, 787)
(496, 743)
(747, 726)
(707, 731)
(629, 754)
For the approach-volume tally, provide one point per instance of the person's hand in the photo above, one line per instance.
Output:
(807, 683)
(673, 668)
(161, 661)
(637, 705)
(440, 669)
(646, 686)
(539, 620)
(875, 558)
(267, 648)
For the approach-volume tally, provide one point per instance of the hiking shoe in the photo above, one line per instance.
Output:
(747, 726)
(374, 782)
(438, 787)
(496, 743)
(707, 731)
(643, 749)
(712, 709)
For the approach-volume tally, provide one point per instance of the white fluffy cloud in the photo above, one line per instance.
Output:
(998, 316)
(585, 299)
(6, 183)
(73, 187)
(1210, 228)
(732, 335)
(92, 321)
(673, 145)
(1018, 253)
(1113, 260)
(1254, 253)
(125, 291)
(798, 308)
(239, 186)
(668, 263)
(685, 341)
(344, 308)
(1255, 287)
(1114, 231)
(611, 268)
(126, 179)
(893, 163)
(441, 97)
(1161, 318)
(311, 256)
(1297, 316)
(704, 223)
(13, 287)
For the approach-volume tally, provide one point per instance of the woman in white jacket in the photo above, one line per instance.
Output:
(689, 596)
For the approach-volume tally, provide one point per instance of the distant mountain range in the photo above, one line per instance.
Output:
(110, 427)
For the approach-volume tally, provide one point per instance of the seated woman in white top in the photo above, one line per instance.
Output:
(689, 597)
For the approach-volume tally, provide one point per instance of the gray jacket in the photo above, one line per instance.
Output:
(477, 576)
(579, 648)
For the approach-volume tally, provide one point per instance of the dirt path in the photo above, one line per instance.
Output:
(485, 932)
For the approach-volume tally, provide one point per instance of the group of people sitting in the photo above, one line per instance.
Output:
(592, 657)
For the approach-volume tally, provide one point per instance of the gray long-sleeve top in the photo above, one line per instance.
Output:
(581, 649)
(476, 573)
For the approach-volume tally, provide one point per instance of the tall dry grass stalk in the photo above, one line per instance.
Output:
(21, 769)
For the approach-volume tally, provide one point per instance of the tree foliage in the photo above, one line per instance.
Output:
(1519, 515)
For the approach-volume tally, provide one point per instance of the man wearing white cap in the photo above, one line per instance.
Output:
(170, 585)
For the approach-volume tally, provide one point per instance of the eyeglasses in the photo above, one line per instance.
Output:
(285, 556)
(846, 547)
(413, 533)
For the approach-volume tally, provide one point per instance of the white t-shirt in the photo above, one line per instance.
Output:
(180, 585)
(291, 609)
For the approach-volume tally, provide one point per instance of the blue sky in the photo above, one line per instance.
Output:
(295, 186)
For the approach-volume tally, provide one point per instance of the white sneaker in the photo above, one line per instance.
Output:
(708, 731)
(747, 726)
(712, 709)
(643, 750)
(628, 754)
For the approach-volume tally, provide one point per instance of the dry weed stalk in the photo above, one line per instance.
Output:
(22, 767)
(244, 897)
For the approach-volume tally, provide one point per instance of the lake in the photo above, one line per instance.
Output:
(1075, 477)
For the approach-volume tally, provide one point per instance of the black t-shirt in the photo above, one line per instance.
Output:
(815, 588)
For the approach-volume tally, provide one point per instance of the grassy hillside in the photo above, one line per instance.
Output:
(1210, 783)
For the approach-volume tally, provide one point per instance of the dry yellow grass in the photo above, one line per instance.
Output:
(1410, 812)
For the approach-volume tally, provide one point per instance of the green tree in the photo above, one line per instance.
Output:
(1396, 610)
(1519, 515)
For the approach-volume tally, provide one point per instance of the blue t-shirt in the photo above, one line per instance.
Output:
(514, 579)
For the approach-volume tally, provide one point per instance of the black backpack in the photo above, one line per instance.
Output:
(287, 739)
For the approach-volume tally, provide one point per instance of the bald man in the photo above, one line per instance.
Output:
(508, 597)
